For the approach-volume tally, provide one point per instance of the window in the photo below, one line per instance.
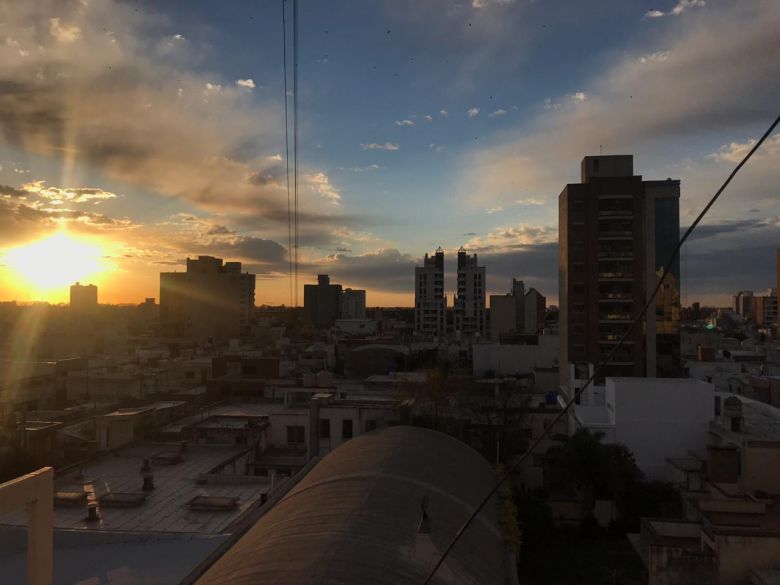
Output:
(370, 425)
(346, 429)
(325, 428)
(296, 435)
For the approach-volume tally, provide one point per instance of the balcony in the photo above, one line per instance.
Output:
(616, 298)
(615, 236)
(610, 213)
(616, 276)
(615, 317)
(611, 256)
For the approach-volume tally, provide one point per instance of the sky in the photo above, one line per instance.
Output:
(135, 134)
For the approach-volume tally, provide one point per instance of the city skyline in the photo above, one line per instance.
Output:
(447, 128)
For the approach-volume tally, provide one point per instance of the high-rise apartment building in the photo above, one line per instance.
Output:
(470, 316)
(322, 302)
(430, 302)
(743, 304)
(764, 312)
(662, 206)
(535, 307)
(353, 304)
(83, 297)
(211, 300)
(616, 231)
(507, 312)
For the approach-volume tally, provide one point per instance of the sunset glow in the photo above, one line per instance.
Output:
(66, 259)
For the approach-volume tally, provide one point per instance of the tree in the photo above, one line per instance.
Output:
(594, 470)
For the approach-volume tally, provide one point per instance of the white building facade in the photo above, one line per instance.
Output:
(430, 302)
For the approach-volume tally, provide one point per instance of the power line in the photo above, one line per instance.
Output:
(287, 151)
(295, 135)
(604, 361)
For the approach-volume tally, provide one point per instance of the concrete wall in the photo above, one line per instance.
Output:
(358, 416)
(738, 555)
(761, 468)
(508, 360)
(658, 418)
(281, 420)
(113, 432)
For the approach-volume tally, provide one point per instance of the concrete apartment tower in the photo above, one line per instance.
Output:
(430, 302)
(616, 233)
(322, 302)
(507, 312)
(535, 311)
(470, 316)
(211, 300)
(353, 304)
(83, 297)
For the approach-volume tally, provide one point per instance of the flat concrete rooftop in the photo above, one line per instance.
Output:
(165, 508)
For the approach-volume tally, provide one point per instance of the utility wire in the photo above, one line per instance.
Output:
(603, 362)
(287, 151)
(295, 135)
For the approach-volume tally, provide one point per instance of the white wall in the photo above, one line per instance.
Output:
(658, 418)
(508, 360)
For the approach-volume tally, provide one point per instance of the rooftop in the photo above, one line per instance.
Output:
(164, 509)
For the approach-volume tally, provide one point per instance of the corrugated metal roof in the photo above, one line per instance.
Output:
(353, 519)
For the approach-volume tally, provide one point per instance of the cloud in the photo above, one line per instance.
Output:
(404, 122)
(656, 56)
(436, 147)
(276, 157)
(488, 3)
(648, 111)
(677, 10)
(155, 121)
(8, 191)
(736, 151)
(579, 96)
(385, 269)
(362, 169)
(444, 113)
(320, 184)
(492, 210)
(531, 201)
(472, 112)
(508, 238)
(428, 118)
(380, 146)
(71, 194)
(748, 247)
(245, 83)
(498, 112)
(179, 37)
(62, 32)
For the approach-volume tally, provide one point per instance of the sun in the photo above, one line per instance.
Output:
(48, 266)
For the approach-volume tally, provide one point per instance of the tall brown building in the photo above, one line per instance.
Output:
(83, 297)
(609, 256)
(212, 300)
